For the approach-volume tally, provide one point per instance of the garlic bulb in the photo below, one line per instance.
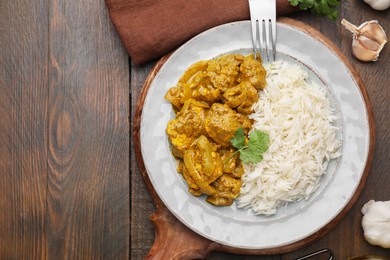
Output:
(376, 223)
(368, 39)
(379, 5)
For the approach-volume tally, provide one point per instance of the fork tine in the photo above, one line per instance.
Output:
(273, 37)
(263, 24)
(273, 29)
(267, 25)
(259, 39)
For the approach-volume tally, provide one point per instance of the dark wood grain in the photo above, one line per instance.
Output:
(68, 95)
(64, 132)
(23, 129)
(141, 201)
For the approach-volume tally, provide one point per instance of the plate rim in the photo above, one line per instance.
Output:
(300, 26)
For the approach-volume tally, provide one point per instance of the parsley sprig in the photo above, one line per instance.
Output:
(319, 7)
(252, 151)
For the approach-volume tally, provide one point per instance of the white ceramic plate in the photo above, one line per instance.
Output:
(240, 228)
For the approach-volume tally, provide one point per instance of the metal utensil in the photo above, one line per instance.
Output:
(263, 23)
(319, 252)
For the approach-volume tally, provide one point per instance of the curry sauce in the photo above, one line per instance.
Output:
(212, 99)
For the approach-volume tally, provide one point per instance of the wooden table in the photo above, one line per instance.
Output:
(70, 187)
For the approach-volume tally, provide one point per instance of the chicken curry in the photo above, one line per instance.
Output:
(212, 99)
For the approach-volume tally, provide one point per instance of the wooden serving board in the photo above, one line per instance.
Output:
(176, 241)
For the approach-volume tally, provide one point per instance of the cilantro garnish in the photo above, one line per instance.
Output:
(318, 7)
(252, 151)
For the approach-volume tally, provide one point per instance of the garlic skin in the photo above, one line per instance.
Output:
(376, 223)
(368, 39)
(379, 5)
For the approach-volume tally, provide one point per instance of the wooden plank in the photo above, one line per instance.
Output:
(64, 132)
(142, 206)
(23, 154)
(88, 135)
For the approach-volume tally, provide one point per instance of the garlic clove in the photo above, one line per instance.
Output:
(379, 5)
(368, 39)
(373, 31)
(376, 223)
(362, 53)
(368, 43)
(366, 207)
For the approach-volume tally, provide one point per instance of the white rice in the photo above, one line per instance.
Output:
(298, 117)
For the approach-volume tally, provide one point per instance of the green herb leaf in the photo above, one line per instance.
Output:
(252, 152)
(319, 7)
(294, 2)
(250, 155)
(259, 141)
(238, 141)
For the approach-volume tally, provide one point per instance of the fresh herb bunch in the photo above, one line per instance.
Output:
(252, 151)
(319, 7)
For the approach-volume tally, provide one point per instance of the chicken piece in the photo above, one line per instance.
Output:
(219, 201)
(253, 71)
(192, 71)
(227, 188)
(173, 96)
(241, 97)
(204, 165)
(192, 187)
(223, 71)
(187, 126)
(178, 94)
(222, 122)
(231, 162)
(203, 89)
(194, 84)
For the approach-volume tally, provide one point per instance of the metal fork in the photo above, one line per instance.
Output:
(319, 252)
(263, 23)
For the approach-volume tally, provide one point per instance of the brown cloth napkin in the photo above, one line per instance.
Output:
(151, 28)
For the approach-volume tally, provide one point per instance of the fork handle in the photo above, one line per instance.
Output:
(283, 7)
